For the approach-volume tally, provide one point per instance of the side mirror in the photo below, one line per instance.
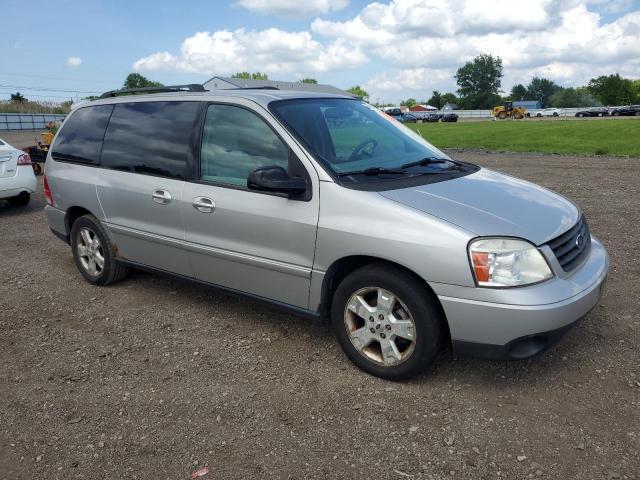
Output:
(275, 179)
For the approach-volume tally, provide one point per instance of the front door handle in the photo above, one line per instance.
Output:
(204, 204)
(161, 196)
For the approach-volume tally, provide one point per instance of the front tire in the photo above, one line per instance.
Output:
(93, 252)
(387, 321)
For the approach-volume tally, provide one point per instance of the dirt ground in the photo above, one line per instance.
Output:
(156, 378)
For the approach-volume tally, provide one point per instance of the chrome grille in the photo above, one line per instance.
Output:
(572, 246)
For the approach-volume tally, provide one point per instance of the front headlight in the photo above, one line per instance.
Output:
(507, 262)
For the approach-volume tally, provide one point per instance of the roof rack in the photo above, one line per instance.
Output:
(265, 87)
(193, 87)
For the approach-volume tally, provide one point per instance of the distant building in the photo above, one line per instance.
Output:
(528, 104)
(422, 108)
(228, 83)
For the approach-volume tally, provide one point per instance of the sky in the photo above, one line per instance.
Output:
(394, 49)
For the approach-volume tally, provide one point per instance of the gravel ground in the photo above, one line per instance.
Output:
(156, 378)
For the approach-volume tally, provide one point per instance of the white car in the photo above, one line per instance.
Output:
(17, 180)
(549, 112)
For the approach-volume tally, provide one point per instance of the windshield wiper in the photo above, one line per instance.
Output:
(376, 171)
(423, 162)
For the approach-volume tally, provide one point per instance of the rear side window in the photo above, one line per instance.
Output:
(80, 139)
(236, 141)
(152, 138)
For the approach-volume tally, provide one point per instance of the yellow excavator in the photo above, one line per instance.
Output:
(509, 111)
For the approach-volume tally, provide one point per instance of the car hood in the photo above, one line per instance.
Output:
(489, 203)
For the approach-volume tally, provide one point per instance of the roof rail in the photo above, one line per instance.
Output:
(193, 87)
(265, 87)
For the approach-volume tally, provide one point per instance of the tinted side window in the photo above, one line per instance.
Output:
(236, 141)
(151, 137)
(80, 140)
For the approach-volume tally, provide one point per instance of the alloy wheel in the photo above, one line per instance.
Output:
(380, 326)
(90, 252)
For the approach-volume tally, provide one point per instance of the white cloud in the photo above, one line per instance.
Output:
(290, 8)
(74, 61)
(416, 45)
(272, 51)
(561, 39)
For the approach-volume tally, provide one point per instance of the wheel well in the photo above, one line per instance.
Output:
(73, 214)
(344, 266)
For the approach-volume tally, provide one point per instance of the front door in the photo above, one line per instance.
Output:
(258, 243)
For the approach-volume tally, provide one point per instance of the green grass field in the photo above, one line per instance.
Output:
(597, 137)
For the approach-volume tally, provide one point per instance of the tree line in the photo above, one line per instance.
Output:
(480, 80)
(479, 87)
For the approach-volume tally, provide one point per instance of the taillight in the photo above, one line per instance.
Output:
(47, 191)
(24, 159)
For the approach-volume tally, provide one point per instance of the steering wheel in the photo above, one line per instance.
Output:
(360, 149)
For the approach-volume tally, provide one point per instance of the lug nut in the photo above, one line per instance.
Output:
(371, 319)
(382, 335)
(388, 327)
(380, 317)
(372, 330)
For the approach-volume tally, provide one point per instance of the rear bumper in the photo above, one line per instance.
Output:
(520, 329)
(23, 181)
(57, 220)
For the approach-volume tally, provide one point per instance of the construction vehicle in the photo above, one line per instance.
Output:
(38, 152)
(509, 111)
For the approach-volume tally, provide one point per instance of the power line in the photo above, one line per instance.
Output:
(44, 89)
(61, 78)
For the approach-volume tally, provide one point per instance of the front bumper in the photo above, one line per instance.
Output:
(522, 322)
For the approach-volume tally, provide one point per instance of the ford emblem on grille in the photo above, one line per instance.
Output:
(579, 240)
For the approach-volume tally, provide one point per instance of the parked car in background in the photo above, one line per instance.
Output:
(407, 118)
(449, 117)
(549, 112)
(404, 249)
(17, 180)
(394, 112)
(593, 112)
(433, 117)
(628, 111)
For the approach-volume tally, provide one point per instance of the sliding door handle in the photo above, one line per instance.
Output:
(161, 196)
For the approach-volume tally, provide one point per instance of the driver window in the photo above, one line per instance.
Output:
(236, 141)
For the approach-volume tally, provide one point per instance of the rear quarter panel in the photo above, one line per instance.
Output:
(73, 185)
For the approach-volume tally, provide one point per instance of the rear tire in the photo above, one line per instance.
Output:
(21, 200)
(387, 321)
(94, 254)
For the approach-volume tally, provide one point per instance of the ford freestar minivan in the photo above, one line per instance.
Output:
(324, 205)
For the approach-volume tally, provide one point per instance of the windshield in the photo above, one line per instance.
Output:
(351, 136)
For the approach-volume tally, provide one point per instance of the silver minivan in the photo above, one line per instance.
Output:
(326, 206)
